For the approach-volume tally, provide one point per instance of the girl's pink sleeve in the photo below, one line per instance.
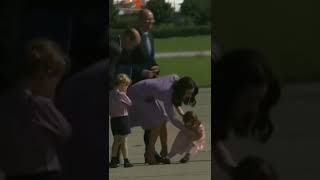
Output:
(201, 132)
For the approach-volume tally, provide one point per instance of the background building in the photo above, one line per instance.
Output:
(131, 6)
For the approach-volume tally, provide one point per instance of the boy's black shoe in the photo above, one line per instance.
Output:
(127, 163)
(113, 163)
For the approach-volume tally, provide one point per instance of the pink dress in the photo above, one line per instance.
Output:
(185, 141)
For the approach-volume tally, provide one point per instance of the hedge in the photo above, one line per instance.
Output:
(171, 31)
(124, 21)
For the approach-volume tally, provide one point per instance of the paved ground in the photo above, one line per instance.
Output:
(199, 167)
(166, 55)
(295, 146)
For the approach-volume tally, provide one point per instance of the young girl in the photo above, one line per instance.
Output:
(190, 139)
(118, 105)
(254, 168)
(35, 128)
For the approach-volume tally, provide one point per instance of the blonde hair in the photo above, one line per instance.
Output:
(122, 80)
(43, 55)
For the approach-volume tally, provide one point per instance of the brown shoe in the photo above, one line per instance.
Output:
(164, 153)
(166, 161)
(151, 160)
(156, 156)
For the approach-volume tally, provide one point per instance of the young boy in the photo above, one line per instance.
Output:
(33, 128)
(118, 110)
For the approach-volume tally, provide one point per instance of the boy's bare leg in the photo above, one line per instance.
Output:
(124, 147)
(115, 146)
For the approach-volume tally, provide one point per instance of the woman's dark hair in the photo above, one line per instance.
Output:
(253, 168)
(179, 89)
(237, 71)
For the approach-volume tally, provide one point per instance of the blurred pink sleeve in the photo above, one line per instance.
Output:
(125, 99)
(50, 118)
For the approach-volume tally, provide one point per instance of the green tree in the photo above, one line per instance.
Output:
(113, 13)
(199, 10)
(163, 11)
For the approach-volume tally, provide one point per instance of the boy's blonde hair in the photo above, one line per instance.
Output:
(44, 55)
(122, 80)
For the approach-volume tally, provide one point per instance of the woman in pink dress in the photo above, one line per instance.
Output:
(153, 104)
(190, 140)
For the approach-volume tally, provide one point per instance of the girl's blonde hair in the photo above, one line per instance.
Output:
(122, 80)
(43, 55)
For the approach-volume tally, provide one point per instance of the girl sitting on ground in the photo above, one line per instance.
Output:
(190, 140)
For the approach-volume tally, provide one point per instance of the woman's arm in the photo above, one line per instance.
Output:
(179, 110)
(223, 157)
(171, 115)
